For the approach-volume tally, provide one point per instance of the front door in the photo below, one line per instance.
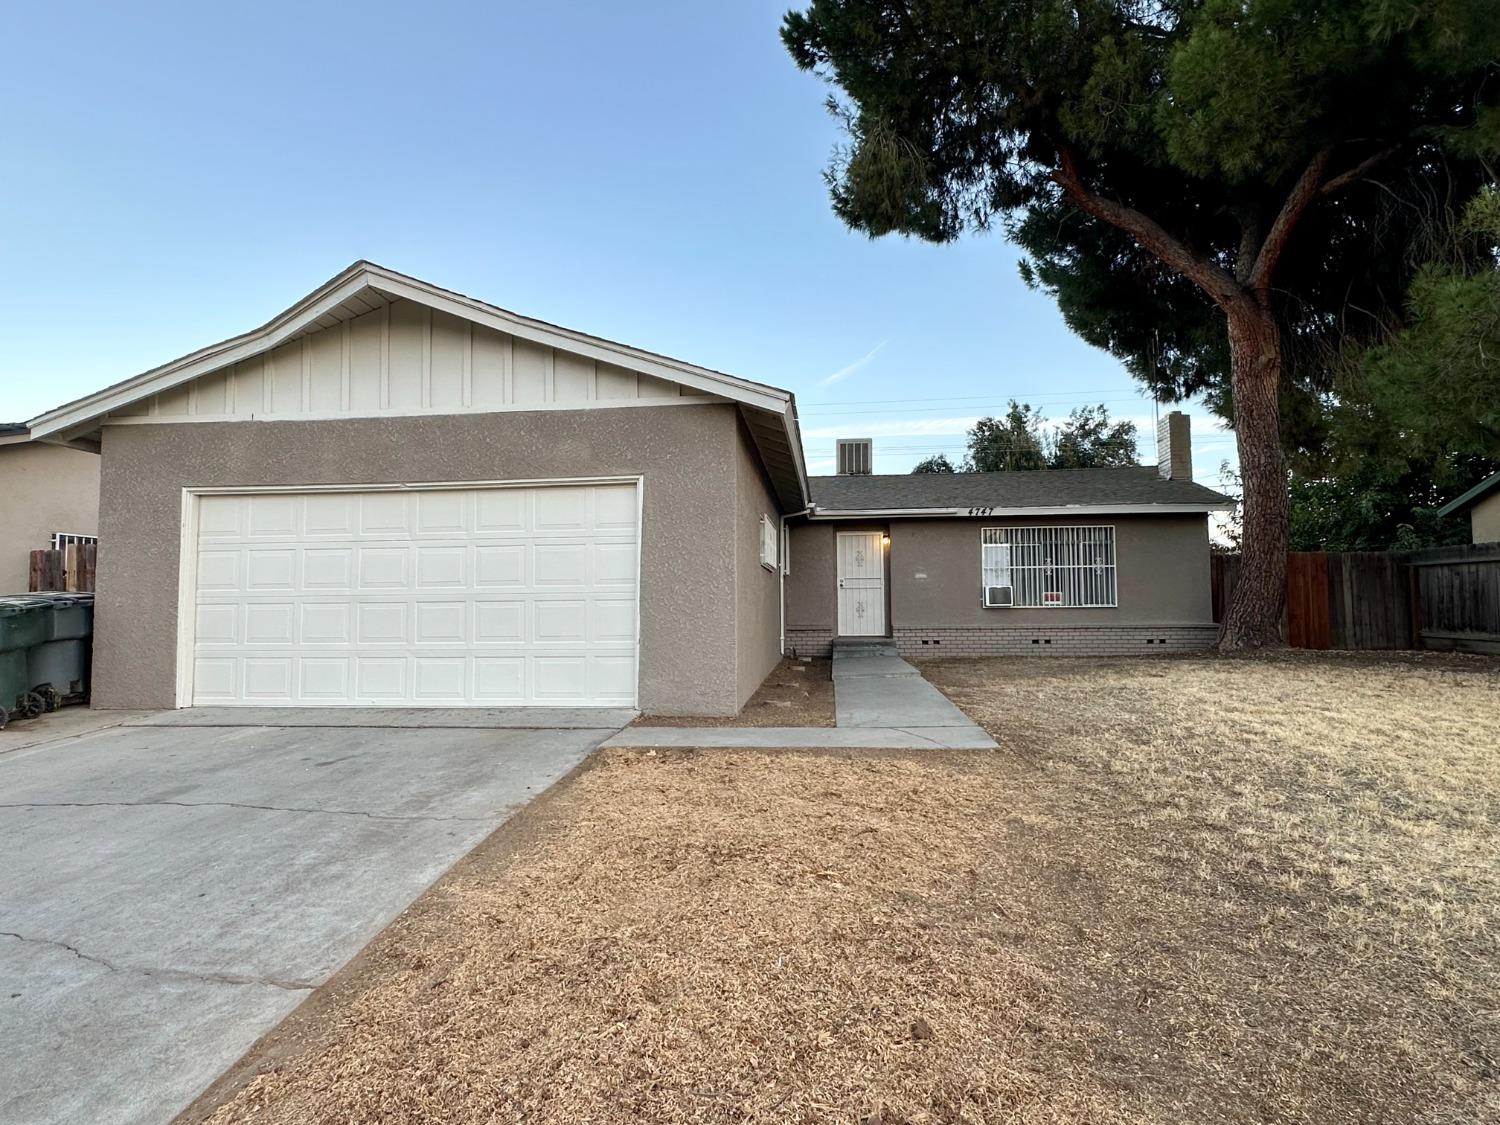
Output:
(861, 560)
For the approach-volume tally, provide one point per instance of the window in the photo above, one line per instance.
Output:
(63, 539)
(1048, 566)
(770, 534)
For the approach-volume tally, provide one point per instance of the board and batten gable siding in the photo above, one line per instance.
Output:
(686, 459)
(403, 358)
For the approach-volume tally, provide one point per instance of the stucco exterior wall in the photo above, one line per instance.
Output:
(43, 488)
(1484, 518)
(933, 574)
(1162, 574)
(757, 589)
(688, 457)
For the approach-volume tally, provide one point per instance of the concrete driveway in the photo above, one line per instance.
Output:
(169, 892)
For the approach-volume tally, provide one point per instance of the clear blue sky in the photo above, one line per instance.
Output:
(176, 174)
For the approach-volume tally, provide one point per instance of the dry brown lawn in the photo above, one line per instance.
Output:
(797, 693)
(1184, 890)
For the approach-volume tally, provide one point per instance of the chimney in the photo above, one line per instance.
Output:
(855, 457)
(1174, 446)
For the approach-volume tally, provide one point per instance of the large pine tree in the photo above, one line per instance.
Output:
(1220, 192)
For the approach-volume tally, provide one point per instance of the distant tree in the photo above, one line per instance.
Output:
(1415, 419)
(937, 463)
(1023, 440)
(1008, 443)
(1089, 440)
(1194, 182)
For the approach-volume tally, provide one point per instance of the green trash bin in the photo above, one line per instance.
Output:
(14, 695)
(58, 672)
(70, 616)
(23, 621)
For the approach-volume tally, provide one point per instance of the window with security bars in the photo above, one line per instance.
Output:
(1049, 566)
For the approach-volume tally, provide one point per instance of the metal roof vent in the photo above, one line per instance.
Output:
(855, 456)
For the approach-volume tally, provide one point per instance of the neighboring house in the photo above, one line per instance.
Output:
(46, 490)
(1482, 502)
(1103, 561)
(392, 494)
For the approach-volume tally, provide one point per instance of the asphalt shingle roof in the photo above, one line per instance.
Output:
(1042, 488)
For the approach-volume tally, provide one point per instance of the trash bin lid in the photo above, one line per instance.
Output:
(21, 603)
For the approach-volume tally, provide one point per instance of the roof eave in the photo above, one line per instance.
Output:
(1471, 497)
(985, 512)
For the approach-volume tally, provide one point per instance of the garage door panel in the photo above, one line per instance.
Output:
(560, 622)
(218, 624)
(557, 565)
(442, 568)
(328, 569)
(268, 679)
(500, 680)
(384, 568)
(445, 597)
(500, 568)
(560, 509)
(384, 513)
(325, 623)
(269, 623)
(614, 564)
(219, 570)
(270, 569)
(323, 678)
(216, 680)
(441, 623)
(330, 515)
(502, 511)
(275, 517)
(380, 679)
(499, 622)
(440, 513)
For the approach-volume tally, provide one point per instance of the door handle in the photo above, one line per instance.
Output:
(841, 583)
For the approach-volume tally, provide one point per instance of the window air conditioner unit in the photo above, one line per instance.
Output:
(997, 597)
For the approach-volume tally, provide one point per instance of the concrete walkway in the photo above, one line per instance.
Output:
(880, 702)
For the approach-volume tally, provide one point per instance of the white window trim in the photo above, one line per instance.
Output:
(1012, 566)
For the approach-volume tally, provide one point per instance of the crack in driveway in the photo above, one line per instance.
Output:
(167, 974)
(241, 805)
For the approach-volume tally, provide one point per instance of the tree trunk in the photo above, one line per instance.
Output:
(1254, 616)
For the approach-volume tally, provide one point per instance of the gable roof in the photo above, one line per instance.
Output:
(770, 413)
(1463, 503)
(1031, 492)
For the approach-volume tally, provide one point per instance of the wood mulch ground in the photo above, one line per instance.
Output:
(1183, 890)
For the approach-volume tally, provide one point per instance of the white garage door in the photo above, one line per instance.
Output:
(426, 598)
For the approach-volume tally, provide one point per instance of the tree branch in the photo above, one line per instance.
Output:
(1217, 283)
(1304, 191)
(1358, 172)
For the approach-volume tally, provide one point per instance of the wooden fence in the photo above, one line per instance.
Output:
(1444, 598)
(1459, 593)
(67, 568)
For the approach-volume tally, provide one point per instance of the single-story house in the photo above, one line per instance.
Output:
(49, 496)
(394, 494)
(1482, 502)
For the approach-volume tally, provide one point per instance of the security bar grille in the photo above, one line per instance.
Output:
(1050, 566)
(64, 539)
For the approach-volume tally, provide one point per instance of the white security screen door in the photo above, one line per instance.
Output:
(861, 573)
(417, 598)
